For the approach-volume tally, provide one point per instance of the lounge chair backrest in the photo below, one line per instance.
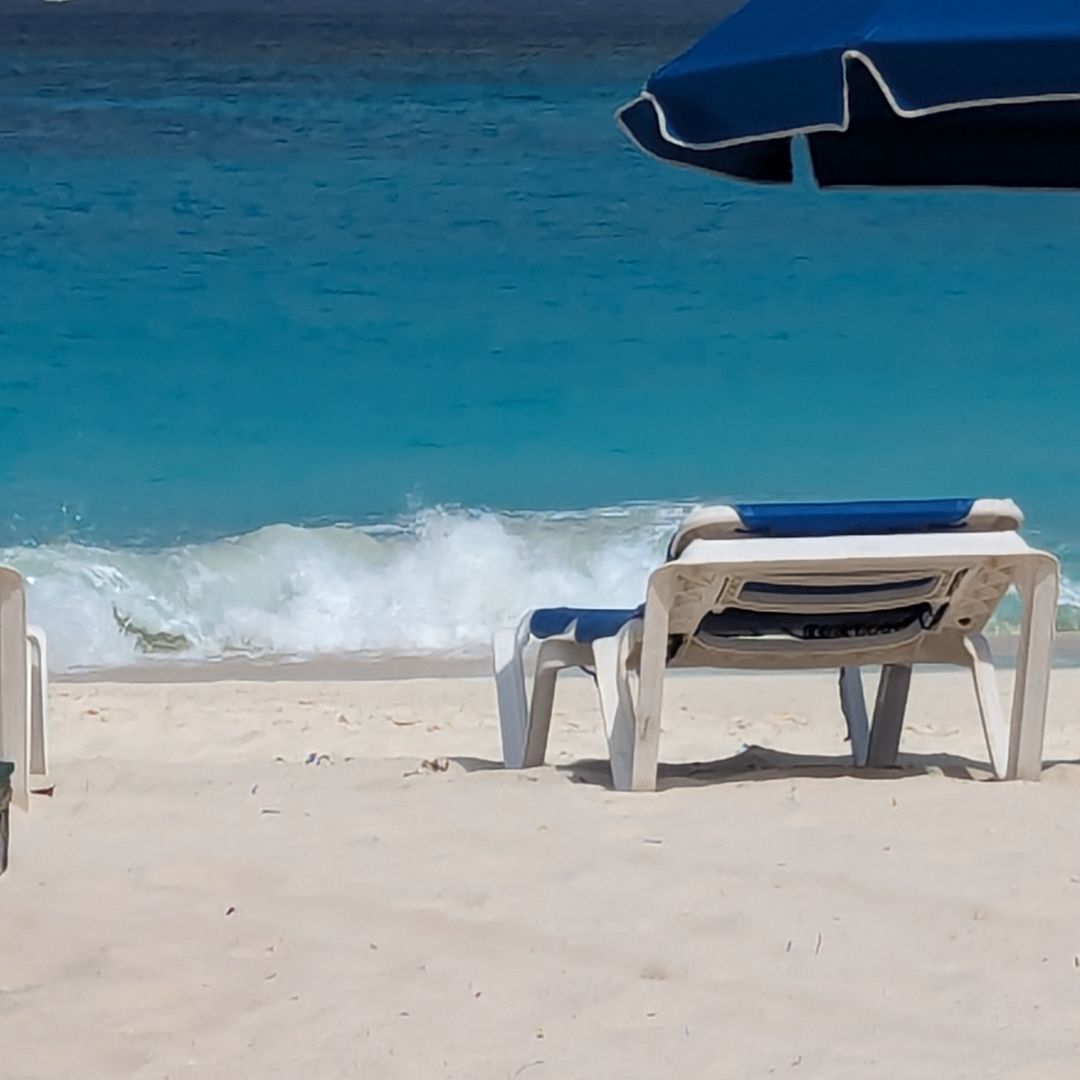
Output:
(883, 598)
(877, 518)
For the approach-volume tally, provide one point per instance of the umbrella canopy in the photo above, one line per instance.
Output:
(886, 92)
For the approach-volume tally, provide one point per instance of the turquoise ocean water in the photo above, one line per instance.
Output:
(357, 327)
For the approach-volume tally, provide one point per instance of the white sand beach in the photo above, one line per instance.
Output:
(264, 879)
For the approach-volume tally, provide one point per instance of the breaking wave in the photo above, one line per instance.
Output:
(436, 584)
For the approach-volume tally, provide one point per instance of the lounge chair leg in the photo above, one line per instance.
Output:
(616, 701)
(39, 704)
(889, 708)
(652, 666)
(509, 652)
(990, 710)
(1037, 584)
(853, 704)
(550, 660)
(633, 733)
(525, 724)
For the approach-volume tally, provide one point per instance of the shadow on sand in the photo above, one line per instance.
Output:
(761, 763)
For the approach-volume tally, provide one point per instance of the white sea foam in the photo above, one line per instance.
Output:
(434, 585)
(437, 584)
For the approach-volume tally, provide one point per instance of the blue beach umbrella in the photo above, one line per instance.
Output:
(885, 92)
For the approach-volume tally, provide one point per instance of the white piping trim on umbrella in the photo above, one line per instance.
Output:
(846, 57)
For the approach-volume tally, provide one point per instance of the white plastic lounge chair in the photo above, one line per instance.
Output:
(803, 585)
(24, 691)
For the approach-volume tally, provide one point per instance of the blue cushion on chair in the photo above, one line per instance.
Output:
(853, 518)
(588, 624)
